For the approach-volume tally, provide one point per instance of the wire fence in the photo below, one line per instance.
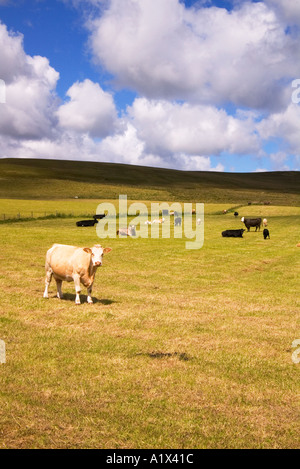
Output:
(33, 215)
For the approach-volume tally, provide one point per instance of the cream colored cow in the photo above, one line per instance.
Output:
(72, 263)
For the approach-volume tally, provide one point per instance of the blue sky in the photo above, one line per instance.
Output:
(197, 85)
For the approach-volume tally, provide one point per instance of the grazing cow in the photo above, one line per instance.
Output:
(99, 217)
(265, 222)
(72, 263)
(266, 233)
(236, 214)
(224, 211)
(251, 222)
(127, 231)
(233, 233)
(177, 221)
(86, 223)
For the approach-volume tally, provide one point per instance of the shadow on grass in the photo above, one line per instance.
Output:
(83, 299)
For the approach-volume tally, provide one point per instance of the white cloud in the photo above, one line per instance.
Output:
(90, 109)
(30, 84)
(288, 10)
(284, 126)
(172, 128)
(165, 50)
(278, 161)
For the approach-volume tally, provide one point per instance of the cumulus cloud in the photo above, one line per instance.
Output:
(186, 63)
(30, 84)
(173, 128)
(288, 10)
(284, 126)
(165, 50)
(90, 109)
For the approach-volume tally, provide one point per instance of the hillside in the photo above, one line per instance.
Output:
(53, 179)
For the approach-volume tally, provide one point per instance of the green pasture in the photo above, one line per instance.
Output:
(181, 348)
(56, 179)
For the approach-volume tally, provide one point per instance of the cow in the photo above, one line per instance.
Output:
(265, 222)
(199, 221)
(160, 220)
(72, 263)
(147, 222)
(86, 223)
(224, 212)
(236, 214)
(99, 217)
(233, 233)
(177, 221)
(127, 231)
(251, 222)
(266, 233)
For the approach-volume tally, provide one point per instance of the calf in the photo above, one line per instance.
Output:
(86, 223)
(265, 222)
(255, 222)
(233, 233)
(177, 221)
(266, 233)
(71, 263)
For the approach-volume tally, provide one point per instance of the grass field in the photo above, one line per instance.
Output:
(181, 349)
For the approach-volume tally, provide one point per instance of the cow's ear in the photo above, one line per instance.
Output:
(106, 250)
(88, 250)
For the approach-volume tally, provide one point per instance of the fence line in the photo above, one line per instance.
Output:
(25, 215)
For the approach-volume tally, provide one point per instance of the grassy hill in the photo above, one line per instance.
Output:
(55, 179)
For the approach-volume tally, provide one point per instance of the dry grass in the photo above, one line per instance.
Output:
(182, 349)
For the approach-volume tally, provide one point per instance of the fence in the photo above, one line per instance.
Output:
(33, 215)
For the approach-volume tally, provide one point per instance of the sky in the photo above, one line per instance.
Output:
(190, 85)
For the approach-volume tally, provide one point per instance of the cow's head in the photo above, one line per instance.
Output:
(97, 254)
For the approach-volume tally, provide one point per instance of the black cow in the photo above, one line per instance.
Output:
(266, 233)
(236, 214)
(255, 222)
(177, 221)
(99, 217)
(233, 233)
(86, 223)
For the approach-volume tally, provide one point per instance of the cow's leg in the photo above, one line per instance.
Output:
(48, 278)
(89, 292)
(59, 292)
(77, 289)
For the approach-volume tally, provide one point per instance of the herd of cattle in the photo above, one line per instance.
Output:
(72, 263)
